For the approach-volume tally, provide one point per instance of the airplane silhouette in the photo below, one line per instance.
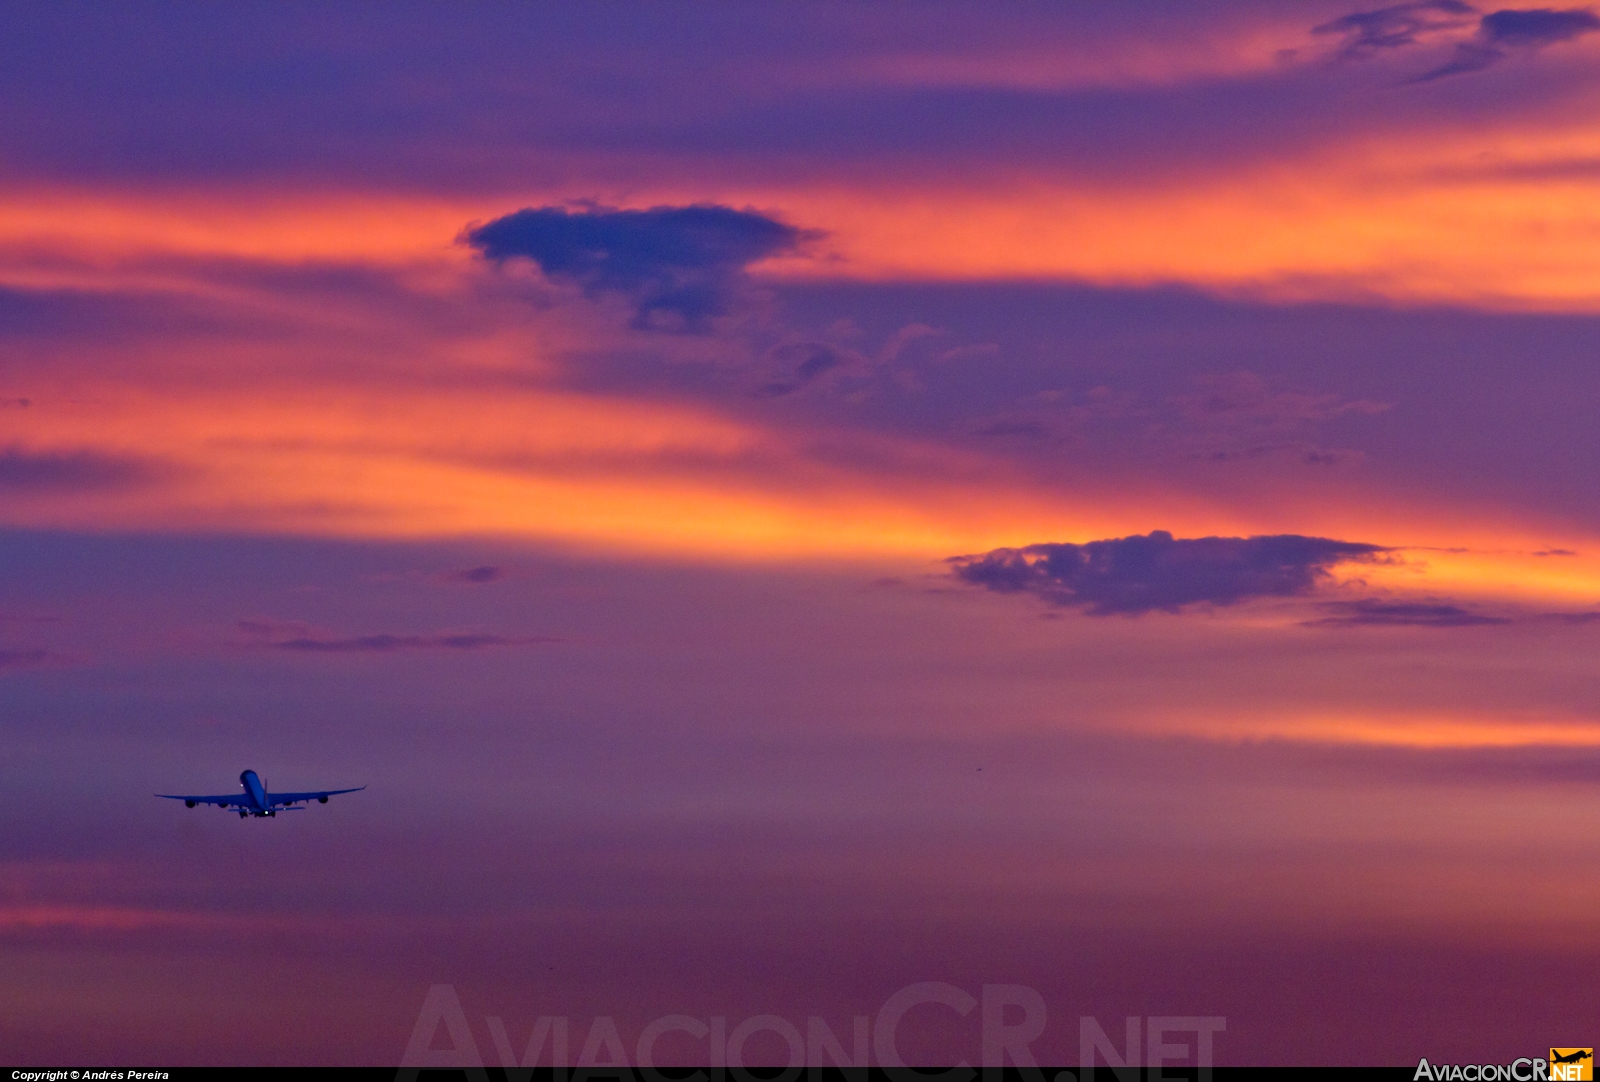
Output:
(1577, 1055)
(256, 801)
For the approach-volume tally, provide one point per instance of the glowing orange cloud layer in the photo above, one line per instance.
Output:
(1495, 222)
(1497, 215)
(297, 447)
(536, 464)
(103, 227)
(1395, 728)
(413, 461)
(1376, 224)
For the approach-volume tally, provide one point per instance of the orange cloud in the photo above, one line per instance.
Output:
(1501, 217)
(32, 917)
(1378, 224)
(544, 464)
(410, 460)
(264, 434)
(1397, 729)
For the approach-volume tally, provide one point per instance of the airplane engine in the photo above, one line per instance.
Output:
(322, 800)
(188, 803)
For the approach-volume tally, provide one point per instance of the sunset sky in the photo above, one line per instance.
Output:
(778, 503)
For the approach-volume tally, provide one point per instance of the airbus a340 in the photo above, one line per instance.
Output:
(256, 801)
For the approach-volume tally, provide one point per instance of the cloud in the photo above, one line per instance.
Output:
(36, 471)
(1371, 612)
(387, 644)
(1579, 618)
(268, 626)
(1221, 417)
(1367, 33)
(1538, 26)
(1242, 399)
(1018, 428)
(482, 574)
(679, 267)
(1240, 416)
(902, 338)
(1309, 454)
(1510, 29)
(303, 637)
(807, 362)
(18, 659)
(1133, 575)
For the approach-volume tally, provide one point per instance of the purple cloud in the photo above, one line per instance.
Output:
(295, 635)
(30, 470)
(1502, 31)
(808, 362)
(267, 626)
(18, 659)
(1538, 26)
(1135, 575)
(679, 267)
(1368, 33)
(387, 644)
(1371, 612)
(483, 574)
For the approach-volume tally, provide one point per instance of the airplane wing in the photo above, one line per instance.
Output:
(276, 799)
(238, 799)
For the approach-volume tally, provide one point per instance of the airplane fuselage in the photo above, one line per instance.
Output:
(256, 794)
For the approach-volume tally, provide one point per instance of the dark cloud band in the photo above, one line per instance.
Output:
(302, 637)
(1371, 612)
(20, 659)
(22, 470)
(477, 575)
(388, 644)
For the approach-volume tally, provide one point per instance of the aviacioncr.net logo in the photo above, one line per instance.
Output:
(1563, 1065)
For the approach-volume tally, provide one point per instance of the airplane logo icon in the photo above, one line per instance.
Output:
(1571, 1064)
